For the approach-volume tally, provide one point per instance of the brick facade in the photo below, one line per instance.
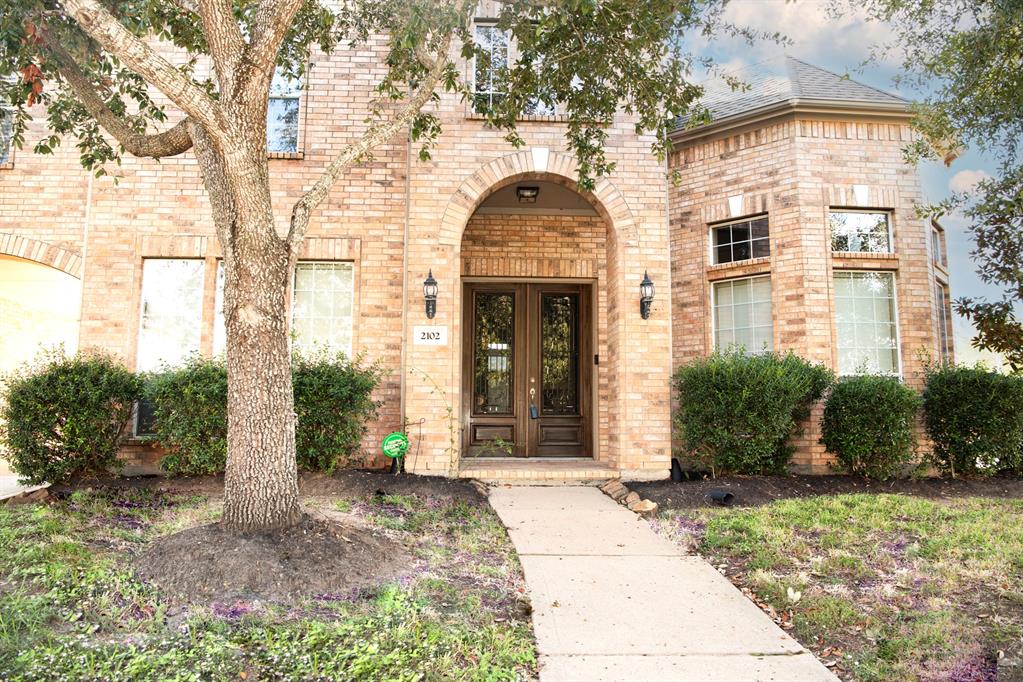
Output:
(396, 217)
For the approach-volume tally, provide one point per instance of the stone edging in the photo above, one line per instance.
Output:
(621, 494)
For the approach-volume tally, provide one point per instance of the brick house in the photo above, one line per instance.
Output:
(791, 227)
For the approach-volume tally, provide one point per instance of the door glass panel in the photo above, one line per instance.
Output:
(559, 354)
(493, 343)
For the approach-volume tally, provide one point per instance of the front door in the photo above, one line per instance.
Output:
(526, 369)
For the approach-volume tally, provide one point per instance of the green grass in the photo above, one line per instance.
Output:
(891, 587)
(72, 608)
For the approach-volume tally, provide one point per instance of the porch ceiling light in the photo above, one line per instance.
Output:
(430, 294)
(527, 195)
(646, 296)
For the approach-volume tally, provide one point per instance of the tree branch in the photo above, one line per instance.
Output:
(273, 19)
(169, 143)
(376, 135)
(112, 36)
(222, 32)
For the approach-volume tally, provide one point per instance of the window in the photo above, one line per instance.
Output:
(171, 319)
(937, 252)
(489, 67)
(866, 323)
(742, 314)
(322, 308)
(282, 114)
(219, 325)
(941, 321)
(6, 132)
(859, 231)
(741, 240)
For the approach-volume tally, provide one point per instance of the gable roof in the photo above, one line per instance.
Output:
(784, 82)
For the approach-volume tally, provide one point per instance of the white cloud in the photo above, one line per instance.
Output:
(966, 180)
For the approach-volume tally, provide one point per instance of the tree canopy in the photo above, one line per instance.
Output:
(966, 58)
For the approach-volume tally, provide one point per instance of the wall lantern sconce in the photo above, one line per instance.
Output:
(430, 294)
(527, 195)
(646, 296)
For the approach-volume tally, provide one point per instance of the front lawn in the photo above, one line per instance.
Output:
(73, 607)
(879, 586)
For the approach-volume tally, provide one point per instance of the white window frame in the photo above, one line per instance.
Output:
(712, 249)
(294, 281)
(6, 144)
(491, 25)
(895, 320)
(714, 318)
(943, 319)
(937, 245)
(889, 219)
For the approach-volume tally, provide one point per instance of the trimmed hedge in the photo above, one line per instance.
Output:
(974, 417)
(64, 416)
(333, 402)
(190, 410)
(868, 424)
(736, 412)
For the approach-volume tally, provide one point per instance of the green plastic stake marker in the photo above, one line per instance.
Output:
(395, 445)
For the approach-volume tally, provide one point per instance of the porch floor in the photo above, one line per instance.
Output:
(537, 471)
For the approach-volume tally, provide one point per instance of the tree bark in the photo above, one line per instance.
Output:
(261, 479)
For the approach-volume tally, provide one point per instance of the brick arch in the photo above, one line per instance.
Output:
(51, 255)
(534, 164)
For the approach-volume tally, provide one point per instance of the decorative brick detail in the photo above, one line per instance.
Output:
(65, 260)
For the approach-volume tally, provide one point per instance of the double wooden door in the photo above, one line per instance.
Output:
(527, 367)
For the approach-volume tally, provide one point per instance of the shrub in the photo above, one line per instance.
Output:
(737, 411)
(64, 416)
(974, 418)
(333, 401)
(868, 424)
(190, 416)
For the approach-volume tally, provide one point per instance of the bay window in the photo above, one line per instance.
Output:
(742, 314)
(740, 240)
(860, 231)
(866, 323)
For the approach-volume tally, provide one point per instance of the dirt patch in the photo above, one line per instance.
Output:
(317, 559)
(755, 491)
(346, 483)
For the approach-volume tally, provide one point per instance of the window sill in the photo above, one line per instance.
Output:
(554, 118)
(7, 166)
(293, 156)
(854, 260)
(753, 266)
(940, 268)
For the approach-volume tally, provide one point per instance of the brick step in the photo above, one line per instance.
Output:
(547, 471)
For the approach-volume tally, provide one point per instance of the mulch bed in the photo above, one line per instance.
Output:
(318, 558)
(755, 491)
(344, 483)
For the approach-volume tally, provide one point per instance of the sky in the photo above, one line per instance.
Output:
(842, 45)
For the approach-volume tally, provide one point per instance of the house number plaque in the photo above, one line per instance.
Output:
(428, 335)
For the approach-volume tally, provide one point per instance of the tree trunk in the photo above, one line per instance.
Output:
(261, 479)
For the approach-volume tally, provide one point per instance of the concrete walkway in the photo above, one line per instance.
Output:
(9, 486)
(612, 600)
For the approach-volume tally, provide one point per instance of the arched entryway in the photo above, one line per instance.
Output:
(571, 260)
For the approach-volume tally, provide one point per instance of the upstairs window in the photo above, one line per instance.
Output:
(170, 323)
(741, 240)
(6, 133)
(937, 247)
(860, 231)
(489, 67)
(282, 115)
